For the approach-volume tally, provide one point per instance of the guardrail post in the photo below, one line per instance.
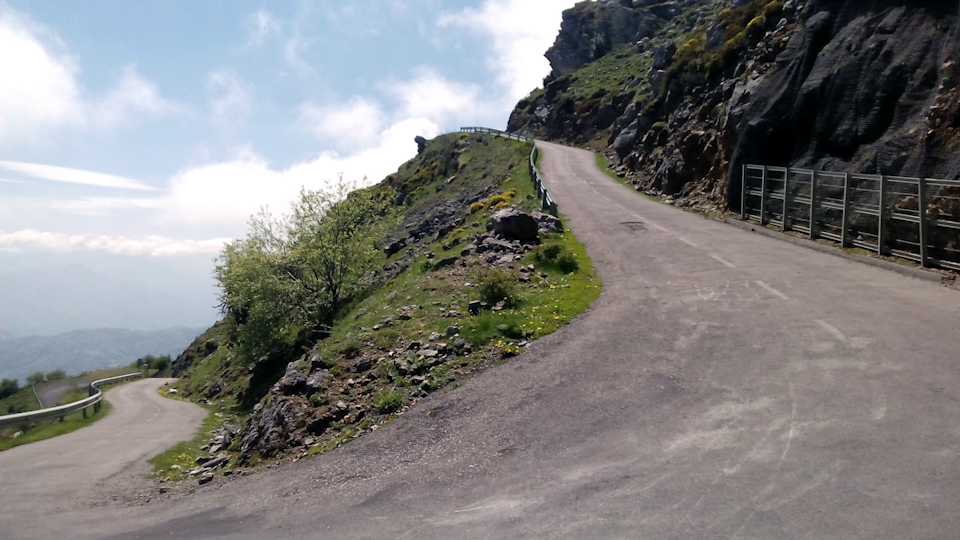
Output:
(786, 199)
(813, 204)
(743, 194)
(84, 412)
(763, 196)
(883, 212)
(846, 206)
(922, 208)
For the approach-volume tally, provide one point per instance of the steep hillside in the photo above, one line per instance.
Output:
(470, 275)
(680, 94)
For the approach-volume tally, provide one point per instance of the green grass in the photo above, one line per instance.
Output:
(388, 401)
(175, 463)
(25, 400)
(612, 72)
(47, 429)
(604, 165)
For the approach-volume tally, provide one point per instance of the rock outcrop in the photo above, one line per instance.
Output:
(841, 85)
(592, 31)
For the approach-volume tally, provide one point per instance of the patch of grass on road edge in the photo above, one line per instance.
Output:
(604, 165)
(51, 428)
(175, 463)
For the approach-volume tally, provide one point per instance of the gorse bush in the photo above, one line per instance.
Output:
(497, 285)
(476, 207)
(497, 199)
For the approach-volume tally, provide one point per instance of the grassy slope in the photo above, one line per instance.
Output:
(542, 305)
(51, 428)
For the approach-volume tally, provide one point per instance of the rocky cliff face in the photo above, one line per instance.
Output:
(855, 86)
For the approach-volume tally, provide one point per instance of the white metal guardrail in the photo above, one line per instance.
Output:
(912, 218)
(59, 412)
(546, 200)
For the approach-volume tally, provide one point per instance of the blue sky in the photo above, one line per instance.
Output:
(155, 129)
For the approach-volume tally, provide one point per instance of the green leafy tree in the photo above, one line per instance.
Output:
(36, 378)
(56, 375)
(160, 363)
(9, 387)
(294, 273)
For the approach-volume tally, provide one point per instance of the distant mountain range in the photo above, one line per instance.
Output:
(84, 350)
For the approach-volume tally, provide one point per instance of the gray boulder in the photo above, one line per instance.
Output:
(512, 223)
(547, 223)
(316, 379)
(624, 142)
(292, 381)
(664, 55)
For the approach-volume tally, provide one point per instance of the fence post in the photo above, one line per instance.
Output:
(763, 196)
(846, 205)
(922, 207)
(786, 199)
(881, 228)
(743, 194)
(813, 204)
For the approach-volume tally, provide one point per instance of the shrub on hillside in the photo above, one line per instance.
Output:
(497, 285)
(557, 256)
(9, 387)
(160, 363)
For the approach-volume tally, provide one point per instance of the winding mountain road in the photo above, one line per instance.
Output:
(725, 385)
(41, 480)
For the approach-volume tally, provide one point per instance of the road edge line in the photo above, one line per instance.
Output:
(918, 273)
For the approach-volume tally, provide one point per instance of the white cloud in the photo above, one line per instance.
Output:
(32, 240)
(38, 90)
(230, 97)
(431, 96)
(232, 191)
(358, 122)
(219, 196)
(102, 206)
(520, 31)
(265, 27)
(132, 96)
(73, 176)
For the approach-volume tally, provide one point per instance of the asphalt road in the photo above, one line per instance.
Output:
(41, 480)
(725, 385)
